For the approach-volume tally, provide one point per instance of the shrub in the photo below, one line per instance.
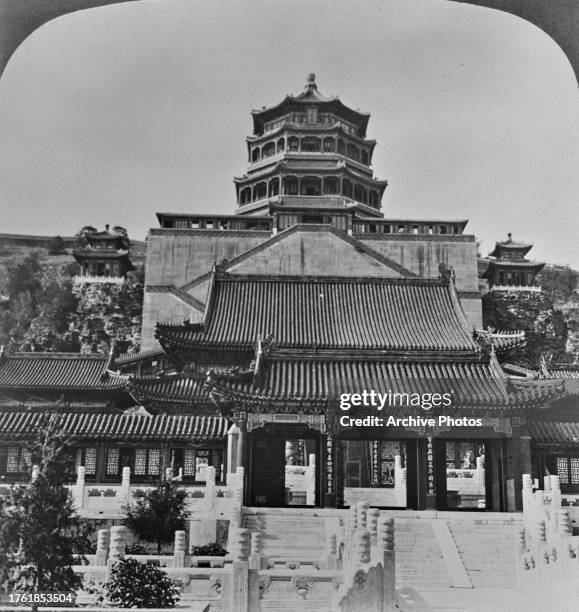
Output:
(140, 585)
(208, 550)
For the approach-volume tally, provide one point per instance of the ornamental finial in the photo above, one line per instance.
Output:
(311, 82)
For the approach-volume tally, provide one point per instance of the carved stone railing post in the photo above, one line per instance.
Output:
(79, 488)
(522, 540)
(547, 484)
(235, 587)
(374, 517)
(362, 547)
(330, 560)
(386, 535)
(180, 549)
(210, 488)
(528, 502)
(102, 549)
(237, 499)
(34, 473)
(168, 473)
(255, 556)
(126, 486)
(363, 508)
(117, 547)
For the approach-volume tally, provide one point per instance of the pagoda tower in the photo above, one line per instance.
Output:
(509, 268)
(309, 154)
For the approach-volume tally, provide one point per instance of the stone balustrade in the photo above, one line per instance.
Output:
(517, 288)
(82, 279)
(106, 501)
(548, 552)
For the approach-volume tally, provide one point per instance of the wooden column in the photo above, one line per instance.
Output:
(242, 441)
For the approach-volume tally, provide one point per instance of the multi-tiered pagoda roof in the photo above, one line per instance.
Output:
(310, 153)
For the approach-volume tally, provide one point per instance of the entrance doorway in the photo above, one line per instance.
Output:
(461, 475)
(375, 472)
(284, 469)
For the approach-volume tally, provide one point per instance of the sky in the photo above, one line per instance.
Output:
(113, 114)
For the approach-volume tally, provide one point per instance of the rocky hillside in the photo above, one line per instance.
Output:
(41, 308)
(546, 329)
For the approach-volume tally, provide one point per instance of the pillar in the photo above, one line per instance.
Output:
(236, 583)
(79, 489)
(126, 485)
(232, 439)
(210, 488)
(179, 549)
(102, 549)
(386, 536)
(117, 543)
(241, 442)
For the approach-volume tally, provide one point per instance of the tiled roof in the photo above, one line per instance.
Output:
(128, 358)
(472, 384)
(329, 313)
(173, 389)
(520, 370)
(502, 341)
(57, 371)
(315, 202)
(19, 425)
(549, 433)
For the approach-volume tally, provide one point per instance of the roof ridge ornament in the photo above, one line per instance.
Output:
(446, 272)
(311, 82)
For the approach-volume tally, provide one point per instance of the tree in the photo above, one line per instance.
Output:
(56, 246)
(139, 585)
(158, 514)
(40, 532)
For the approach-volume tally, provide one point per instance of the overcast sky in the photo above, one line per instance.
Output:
(109, 115)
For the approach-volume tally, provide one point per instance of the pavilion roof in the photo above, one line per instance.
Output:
(554, 434)
(57, 372)
(310, 95)
(328, 313)
(472, 385)
(176, 389)
(82, 426)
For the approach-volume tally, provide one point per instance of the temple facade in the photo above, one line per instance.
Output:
(335, 354)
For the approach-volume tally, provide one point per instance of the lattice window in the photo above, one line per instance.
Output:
(12, 460)
(563, 470)
(154, 461)
(140, 461)
(90, 461)
(112, 461)
(388, 451)
(574, 465)
(189, 463)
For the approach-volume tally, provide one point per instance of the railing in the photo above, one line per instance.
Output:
(548, 552)
(357, 570)
(81, 279)
(517, 288)
(108, 500)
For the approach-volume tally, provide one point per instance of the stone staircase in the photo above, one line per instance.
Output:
(487, 550)
(485, 545)
(288, 536)
(419, 561)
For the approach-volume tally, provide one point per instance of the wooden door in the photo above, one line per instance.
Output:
(268, 471)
